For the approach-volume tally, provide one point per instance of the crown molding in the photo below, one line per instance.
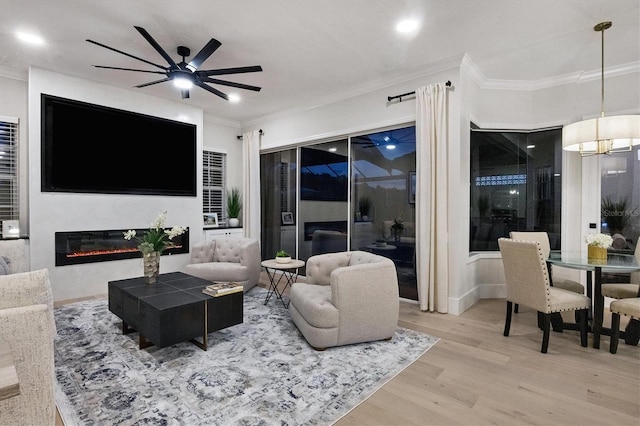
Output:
(573, 78)
(472, 70)
(210, 118)
(383, 83)
(14, 74)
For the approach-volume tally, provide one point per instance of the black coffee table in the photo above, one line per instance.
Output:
(172, 310)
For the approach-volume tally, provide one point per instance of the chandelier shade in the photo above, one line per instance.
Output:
(602, 135)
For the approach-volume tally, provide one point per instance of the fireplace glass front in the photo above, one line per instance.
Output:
(78, 247)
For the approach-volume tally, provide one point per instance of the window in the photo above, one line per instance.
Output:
(214, 174)
(620, 202)
(9, 190)
(515, 185)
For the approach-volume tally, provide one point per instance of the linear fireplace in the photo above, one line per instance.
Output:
(78, 247)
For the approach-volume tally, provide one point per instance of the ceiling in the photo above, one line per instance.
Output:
(313, 51)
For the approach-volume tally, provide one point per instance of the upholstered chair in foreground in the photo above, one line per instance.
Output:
(226, 259)
(629, 307)
(349, 297)
(527, 282)
(27, 327)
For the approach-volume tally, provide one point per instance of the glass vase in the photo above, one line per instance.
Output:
(596, 254)
(151, 266)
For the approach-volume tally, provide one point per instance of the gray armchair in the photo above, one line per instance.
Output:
(226, 259)
(349, 297)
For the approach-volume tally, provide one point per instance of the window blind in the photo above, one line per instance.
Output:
(214, 174)
(9, 189)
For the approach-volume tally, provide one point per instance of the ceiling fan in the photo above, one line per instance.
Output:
(183, 74)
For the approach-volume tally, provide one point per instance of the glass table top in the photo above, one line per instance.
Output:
(575, 259)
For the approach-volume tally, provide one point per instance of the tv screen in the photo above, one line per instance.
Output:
(95, 149)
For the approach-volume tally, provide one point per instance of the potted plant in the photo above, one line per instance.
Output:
(234, 205)
(483, 204)
(153, 243)
(617, 214)
(283, 257)
(364, 205)
(396, 229)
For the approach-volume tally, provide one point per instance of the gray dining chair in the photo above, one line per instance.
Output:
(527, 281)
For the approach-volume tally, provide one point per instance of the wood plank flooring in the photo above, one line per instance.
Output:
(475, 376)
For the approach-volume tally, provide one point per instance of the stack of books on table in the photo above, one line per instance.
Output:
(222, 288)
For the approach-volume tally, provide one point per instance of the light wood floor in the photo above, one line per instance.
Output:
(474, 376)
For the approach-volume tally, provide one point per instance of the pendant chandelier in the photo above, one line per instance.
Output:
(602, 135)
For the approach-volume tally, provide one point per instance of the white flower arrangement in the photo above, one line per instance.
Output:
(599, 240)
(157, 238)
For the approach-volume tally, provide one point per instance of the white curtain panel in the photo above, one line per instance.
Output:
(251, 187)
(432, 256)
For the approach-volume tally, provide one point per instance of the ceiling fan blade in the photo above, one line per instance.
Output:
(152, 82)
(127, 54)
(129, 69)
(224, 71)
(232, 84)
(156, 46)
(203, 54)
(212, 90)
(185, 93)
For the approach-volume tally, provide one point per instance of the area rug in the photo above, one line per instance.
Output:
(261, 372)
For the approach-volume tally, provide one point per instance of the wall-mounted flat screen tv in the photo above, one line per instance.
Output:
(89, 148)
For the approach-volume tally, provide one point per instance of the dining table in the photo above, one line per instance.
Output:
(615, 262)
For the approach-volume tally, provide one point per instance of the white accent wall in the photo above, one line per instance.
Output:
(51, 212)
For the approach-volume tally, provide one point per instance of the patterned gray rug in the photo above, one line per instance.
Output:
(261, 372)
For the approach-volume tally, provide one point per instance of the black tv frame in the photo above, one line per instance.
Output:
(144, 154)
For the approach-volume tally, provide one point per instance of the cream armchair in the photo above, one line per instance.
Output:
(226, 259)
(349, 297)
(27, 327)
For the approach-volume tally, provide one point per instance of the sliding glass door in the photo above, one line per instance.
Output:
(324, 200)
(278, 194)
(383, 168)
(355, 193)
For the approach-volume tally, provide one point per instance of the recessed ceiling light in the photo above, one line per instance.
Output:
(390, 146)
(29, 38)
(407, 25)
(234, 98)
(530, 146)
(333, 149)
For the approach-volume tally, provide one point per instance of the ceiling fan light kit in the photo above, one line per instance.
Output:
(602, 135)
(186, 75)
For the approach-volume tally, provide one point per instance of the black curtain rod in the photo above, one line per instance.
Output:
(259, 131)
(390, 98)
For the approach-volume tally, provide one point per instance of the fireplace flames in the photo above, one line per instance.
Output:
(108, 252)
